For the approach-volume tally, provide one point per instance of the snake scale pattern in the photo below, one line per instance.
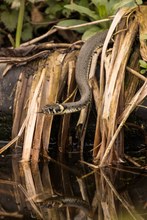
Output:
(82, 72)
(61, 201)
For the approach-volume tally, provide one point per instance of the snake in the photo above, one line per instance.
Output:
(63, 201)
(82, 70)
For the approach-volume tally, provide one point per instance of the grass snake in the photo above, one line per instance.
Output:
(61, 201)
(83, 65)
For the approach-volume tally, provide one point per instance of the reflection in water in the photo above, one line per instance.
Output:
(60, 190)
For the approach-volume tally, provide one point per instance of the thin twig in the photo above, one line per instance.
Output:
(83, 25)
(136, 73)
(35, 40)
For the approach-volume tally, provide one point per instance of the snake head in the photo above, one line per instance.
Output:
(53, 109)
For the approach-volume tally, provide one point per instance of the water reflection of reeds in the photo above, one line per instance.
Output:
(54, 190)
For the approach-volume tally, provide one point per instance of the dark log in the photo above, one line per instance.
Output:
(7, 88)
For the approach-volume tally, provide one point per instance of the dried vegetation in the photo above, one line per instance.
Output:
(120, 90)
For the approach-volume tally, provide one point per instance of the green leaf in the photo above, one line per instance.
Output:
(143, 71)
(102, 11)
(108, 5)
(27, 32)
(54, 9)
(84, 3)
(72, 22)
(66, 12)
(101, 2)
(143, 36)
(90, 32)
(139, 2)
(9, 1)
(143, 64)
(129, 3)
(9, 19)
(82, 10)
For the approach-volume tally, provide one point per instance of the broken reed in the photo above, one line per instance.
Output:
(45, 88)
(115, 106)
(32, 186)
(113, 100)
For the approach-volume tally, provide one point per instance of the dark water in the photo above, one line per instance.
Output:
(55, 189)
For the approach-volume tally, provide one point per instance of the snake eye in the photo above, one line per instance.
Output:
(54, 109)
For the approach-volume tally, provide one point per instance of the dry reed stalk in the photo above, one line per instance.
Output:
(35, 40)
(37, 178)
(35, 208)
(111, 105)
(29, 183)
(66, 78)
(47, 184)
(19, 196)
(46, 180)
(83, 189)
(82, 127)
(46, 46)
(15, 215)
(55, 66)
(64, 129)
(115, 21)
(30, 187)
(142, 18)
(131, 160)
(71, 56)
(31, 114)
(118, 69)
(26, 100)
(139, 96)
(106, 211)
(36, 145)
(18, 103)
(14, 140)
(95, 202)
(99, 122)
(130, 210)
(119, 81)
(134, 72)
(83, 25)
(96, 91)
(132, 81)
(98, 195)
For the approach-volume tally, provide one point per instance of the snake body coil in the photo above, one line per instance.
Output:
(82, 71)
(60, 202)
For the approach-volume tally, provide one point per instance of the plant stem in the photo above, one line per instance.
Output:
(20, 23)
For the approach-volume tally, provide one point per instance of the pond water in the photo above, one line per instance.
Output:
(65, 188)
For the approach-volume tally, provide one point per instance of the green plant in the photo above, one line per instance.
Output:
(20, 23)
(17, 23)
(90, 11)
(143, 66)
(13, 21)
